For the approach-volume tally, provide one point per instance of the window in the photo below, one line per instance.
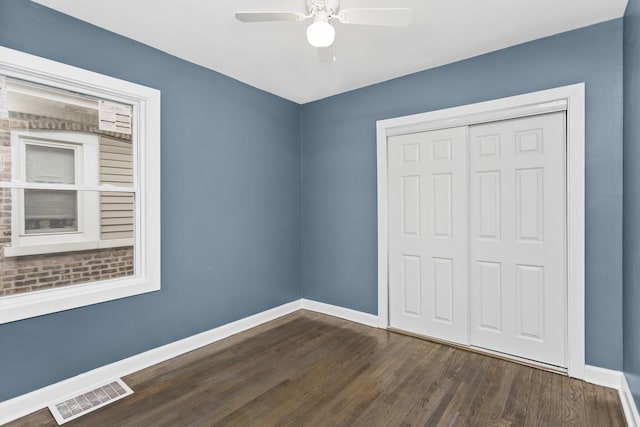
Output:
(49, 211)
(79, 187)
(57, 216)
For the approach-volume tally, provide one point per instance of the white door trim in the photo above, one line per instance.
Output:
(570, 98)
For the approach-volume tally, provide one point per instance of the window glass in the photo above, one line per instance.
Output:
(50, 211)
(50, 164)
(103, 249)
(64, 148)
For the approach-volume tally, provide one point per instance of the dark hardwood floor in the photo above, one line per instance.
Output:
(307, 369)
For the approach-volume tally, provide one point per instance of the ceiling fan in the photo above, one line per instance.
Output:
(321, 33)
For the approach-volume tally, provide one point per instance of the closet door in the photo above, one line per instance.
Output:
(428, 233)
(518, 288)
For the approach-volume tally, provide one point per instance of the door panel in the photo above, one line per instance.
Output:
(443, 289)
(411, 205)
(428, 234)
(442, 220)
(530, 301)
(489, 218)
(517, 237)
(530, 205)
(489, 279)
(411, 284)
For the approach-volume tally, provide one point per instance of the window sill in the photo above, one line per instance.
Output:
(16, 307)
(16, 251)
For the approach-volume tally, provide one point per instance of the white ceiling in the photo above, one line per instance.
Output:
(276, 57)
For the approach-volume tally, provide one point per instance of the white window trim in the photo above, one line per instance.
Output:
(146, 110)
(570, 98)
(86, 148)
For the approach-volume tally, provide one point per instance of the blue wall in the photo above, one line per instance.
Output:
(632, 197)
(230, 206)
(339, 228)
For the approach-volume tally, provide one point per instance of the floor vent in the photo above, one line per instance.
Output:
(88, 401)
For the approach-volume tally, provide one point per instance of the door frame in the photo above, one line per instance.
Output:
(567, 98)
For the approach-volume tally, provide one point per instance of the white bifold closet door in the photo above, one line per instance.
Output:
(518, 290)
(428, 233)
(477, 236)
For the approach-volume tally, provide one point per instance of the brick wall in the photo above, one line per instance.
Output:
(39, 272)
(5, 175)
(5, 193)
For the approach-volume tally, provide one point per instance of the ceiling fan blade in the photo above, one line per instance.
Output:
(327, 54)
(269, 16)
(384, 17)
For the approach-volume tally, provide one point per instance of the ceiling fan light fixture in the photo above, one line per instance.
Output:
(321, 33)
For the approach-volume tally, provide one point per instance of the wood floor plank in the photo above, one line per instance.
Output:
(399, 393)
(535, 394)
(308, 369)
(498, 395)
(555, 404)
(573, 403)
(478, 409)
(615, 413)
(347, 405)
(466, 392)
(514, 411)
(595, 407)
(431, 410)
(545, 402)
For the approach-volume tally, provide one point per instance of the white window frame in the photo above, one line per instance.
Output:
(86, 149)
(146, 136)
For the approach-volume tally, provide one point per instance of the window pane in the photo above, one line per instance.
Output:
(34, 108)
(50, 211)
(116, 161)
(116, 216)
(88, 236)
(50, 164)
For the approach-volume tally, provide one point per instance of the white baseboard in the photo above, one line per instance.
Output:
(628, 404)
(341, 312)
(615, 379)
(25, 404)
(601, 376)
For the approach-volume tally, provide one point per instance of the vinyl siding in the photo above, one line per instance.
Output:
(116, 209)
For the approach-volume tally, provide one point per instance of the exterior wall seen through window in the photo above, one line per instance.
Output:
(56, 237)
